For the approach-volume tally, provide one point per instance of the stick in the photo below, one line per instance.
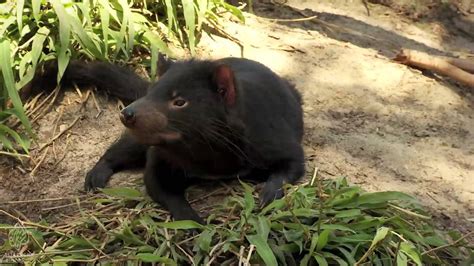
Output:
(464, 64)
(60, 133)
(99, 110)
(252, 247)
(447, 245)
(39, 200)
(435, 64)
(64, 154)
(39, 163)
(291, 19)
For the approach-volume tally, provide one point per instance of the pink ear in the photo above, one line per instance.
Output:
(224, 78)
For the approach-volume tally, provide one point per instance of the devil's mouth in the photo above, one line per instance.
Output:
(154, 138)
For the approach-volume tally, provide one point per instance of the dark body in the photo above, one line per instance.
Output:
(201, 120)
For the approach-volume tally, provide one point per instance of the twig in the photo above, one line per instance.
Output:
(64, 154)
(49, 253)
(37, 107)
(366, 5)
(78, 91)
(447, 245)
(32, 174)
(29, 105)
(83, 102)
(55, 95)
(39, 200)
(58, 207)
(409, 212)
(228, 36)
(31, 223)
(252, 247)
(14, 154)
(60, 133)
(57, 120)
(94, 247)
(290, 19)
(218, 245)
(315, 173)
(99, 110)
(241, 255)
(321, 199)
(186, 253)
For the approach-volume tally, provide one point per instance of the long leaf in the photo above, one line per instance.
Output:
(38, 43)
(184, 224)
(23, 143)
(35, 6)
(7, 23)
(19, 14)
(9, 83)
(263, 249)
(64, 37)
(190, 18)
(105, 20)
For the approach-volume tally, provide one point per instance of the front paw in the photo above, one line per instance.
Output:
(190, 215)
(270, 192)
(97, 178)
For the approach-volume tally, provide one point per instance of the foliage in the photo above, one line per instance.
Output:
(39, 30)
(332, 223)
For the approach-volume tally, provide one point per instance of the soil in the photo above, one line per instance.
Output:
(381, 124)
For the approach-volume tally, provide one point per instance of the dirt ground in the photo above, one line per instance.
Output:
(383, 125)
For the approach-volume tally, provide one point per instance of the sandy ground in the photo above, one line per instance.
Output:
(381, 124)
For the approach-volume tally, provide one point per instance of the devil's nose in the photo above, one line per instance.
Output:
(127, 116)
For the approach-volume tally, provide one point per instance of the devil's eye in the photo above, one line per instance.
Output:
(179, 102)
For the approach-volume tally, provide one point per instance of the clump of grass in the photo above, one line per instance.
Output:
(325, 222)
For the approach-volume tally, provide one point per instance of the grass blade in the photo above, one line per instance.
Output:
(35, 6)
(411, 252)
(64, 37)
(263, 249)
(323, 239)
(23, 143)
(122, 192)
(7, 23)
(105, 20)
(184, 224)
(38, 43)
(190, 18)
(20, 4)
(9, 83)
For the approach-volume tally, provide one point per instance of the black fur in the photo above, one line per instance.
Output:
(238, 119)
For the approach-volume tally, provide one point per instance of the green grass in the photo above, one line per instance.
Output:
(329, 222)
(118, 30)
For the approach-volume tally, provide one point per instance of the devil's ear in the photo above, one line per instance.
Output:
(163, 64)
(225, 83)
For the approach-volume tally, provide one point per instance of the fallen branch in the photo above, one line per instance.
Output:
(464, 64)
(436, 64)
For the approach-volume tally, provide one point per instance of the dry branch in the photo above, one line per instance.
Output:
(437, 64)
(464, 64)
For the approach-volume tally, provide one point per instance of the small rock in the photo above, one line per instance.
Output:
(421, 134)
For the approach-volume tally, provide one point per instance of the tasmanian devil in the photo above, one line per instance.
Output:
(203, 119)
